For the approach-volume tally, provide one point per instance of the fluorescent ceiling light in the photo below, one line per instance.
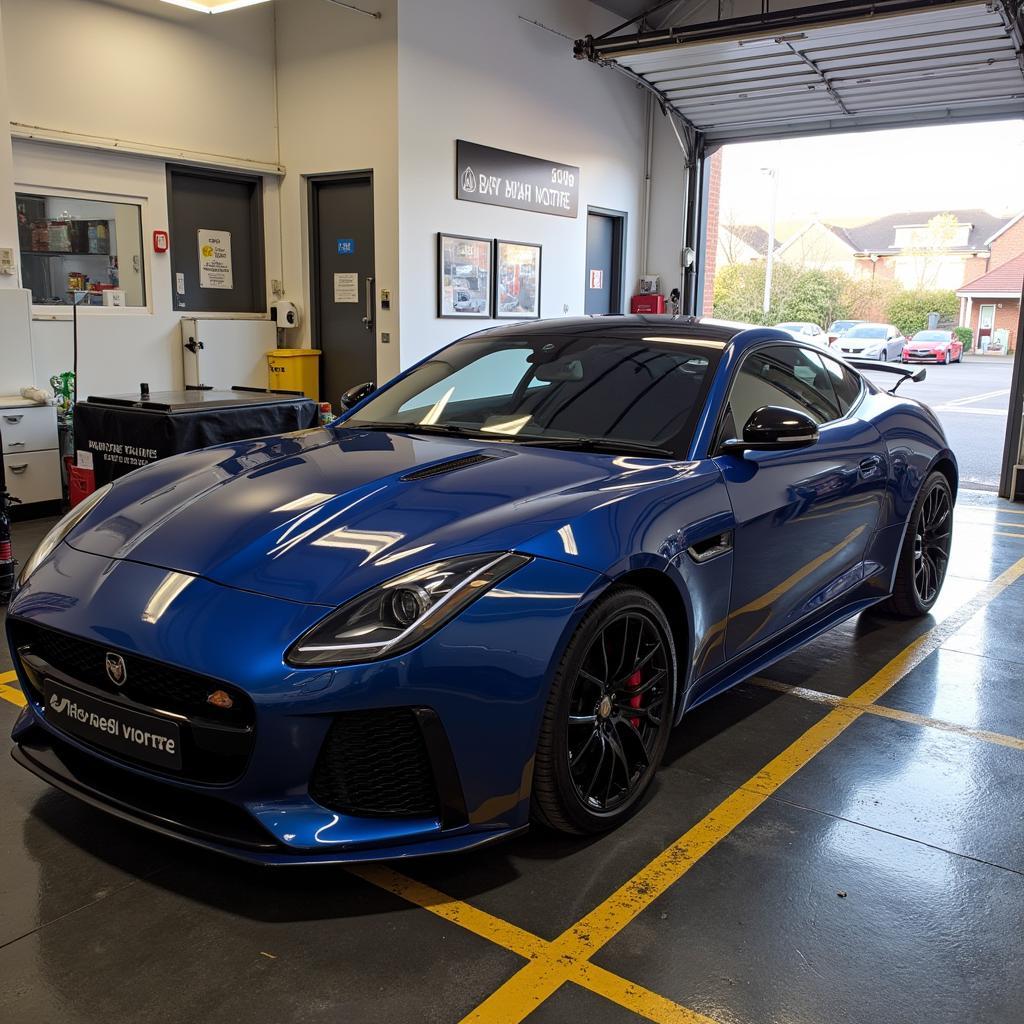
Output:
(214, 8)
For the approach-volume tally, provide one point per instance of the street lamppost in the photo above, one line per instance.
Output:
(772, 173)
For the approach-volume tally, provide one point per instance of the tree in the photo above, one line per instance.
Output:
(928, 246)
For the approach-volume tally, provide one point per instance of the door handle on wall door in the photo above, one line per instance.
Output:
(368, 320)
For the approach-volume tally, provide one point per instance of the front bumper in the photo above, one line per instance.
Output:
(482, 679)
(923, 357)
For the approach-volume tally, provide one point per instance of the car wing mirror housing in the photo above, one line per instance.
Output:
(355, 395)
(773, 428)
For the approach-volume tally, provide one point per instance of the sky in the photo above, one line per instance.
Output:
(857, 177)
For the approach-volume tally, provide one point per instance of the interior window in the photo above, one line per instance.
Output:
(783, 375)
(845, 383)
(84, 251)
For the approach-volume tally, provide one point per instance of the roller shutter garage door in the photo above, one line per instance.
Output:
(810, 70)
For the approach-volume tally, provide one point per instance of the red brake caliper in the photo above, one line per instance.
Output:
(633, 683)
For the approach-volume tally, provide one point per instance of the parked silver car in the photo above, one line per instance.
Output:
(872, 341)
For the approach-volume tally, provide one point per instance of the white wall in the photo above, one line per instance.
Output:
(119, 348)
(472, 69)
(144, 72)
(8, 218)
(668, 200)
(338, 105)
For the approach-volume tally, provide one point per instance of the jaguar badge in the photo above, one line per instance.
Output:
(117, 673)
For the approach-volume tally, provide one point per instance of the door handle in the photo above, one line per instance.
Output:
(18, 469)
(16, 444)
(14, 419)
(871, 465)
(368, 320)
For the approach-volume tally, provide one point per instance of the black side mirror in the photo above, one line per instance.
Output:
(355, 395)
(773, 429)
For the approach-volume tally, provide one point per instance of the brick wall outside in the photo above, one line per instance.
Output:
(710, 254)
(1007, 246)
(977, 266)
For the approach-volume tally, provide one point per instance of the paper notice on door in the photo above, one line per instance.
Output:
(346, 287)
(215, 259)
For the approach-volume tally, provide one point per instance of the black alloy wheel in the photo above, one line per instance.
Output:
(932, 540)
(924, 558)
(608, 718)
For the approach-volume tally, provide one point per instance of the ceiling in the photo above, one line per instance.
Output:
(955, 61)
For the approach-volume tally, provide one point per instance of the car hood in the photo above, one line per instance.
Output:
(862, 342)
(931, 345)
(324, 514)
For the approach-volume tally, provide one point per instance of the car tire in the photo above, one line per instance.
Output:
(947, 360)
(928, 539)
(592, 715)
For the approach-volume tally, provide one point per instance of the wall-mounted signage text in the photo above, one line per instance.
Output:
(499, 178)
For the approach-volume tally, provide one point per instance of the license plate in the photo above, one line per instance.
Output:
(143, 737)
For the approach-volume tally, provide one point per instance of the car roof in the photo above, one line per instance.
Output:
(633, 326)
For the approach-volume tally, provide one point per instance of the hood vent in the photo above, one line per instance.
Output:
(440, 468)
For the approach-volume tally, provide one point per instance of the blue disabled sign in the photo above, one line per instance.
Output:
(346, 246)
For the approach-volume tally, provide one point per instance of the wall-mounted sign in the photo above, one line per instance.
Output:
(215, 259)
(500, 178)
(346, 246)
(597, 279)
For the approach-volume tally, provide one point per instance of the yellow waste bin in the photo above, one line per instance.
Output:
(295, 369)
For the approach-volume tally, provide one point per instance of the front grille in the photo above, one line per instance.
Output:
(215, 742)
(152, 683)
(376, 764)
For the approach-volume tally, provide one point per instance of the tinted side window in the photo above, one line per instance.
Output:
(791, 377)
(845, 382)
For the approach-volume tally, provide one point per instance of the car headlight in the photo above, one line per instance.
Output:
(60, 531)
(402, 612)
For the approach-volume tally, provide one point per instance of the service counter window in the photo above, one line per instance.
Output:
(85, 251)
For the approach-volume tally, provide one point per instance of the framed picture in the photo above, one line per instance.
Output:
(516, 280)
(463, 277)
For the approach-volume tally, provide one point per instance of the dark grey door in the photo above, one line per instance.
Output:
(604, 260)
(344, 298)
(227, 210)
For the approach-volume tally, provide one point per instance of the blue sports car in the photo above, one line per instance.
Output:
(482, 597)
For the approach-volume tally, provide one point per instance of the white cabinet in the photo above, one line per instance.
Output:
(30, 450)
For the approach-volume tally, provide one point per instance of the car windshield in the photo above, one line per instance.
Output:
(867, 331)
(931, 336)
(842, 325)
(590, 391)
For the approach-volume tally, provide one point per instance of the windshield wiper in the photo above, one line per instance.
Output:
(594, 444)
(438, 429)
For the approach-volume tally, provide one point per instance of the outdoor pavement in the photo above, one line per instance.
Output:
(971, 400)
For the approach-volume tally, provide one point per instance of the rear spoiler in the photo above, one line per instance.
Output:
(903, 373)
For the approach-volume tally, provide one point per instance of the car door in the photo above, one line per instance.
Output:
(804, 517)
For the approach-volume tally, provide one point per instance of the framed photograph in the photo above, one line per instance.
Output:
(516, 280)
(463, 277)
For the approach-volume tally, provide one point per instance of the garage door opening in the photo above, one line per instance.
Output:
(885, 245)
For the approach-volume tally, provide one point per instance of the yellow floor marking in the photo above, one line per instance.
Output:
(531, 947)
(567, 954)
(8, 677)
(817, 697)
(13, 694)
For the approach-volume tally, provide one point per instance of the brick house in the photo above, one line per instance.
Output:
(990, 305)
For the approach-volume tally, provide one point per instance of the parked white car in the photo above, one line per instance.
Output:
(872, 341)
(802, 331)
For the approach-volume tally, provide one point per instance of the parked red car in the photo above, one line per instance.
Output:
(933, 347)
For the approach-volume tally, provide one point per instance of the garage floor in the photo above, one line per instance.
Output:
(848, 851)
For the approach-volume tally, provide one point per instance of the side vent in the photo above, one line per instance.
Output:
(440, 468)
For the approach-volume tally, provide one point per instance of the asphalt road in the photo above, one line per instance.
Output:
(971, 399)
